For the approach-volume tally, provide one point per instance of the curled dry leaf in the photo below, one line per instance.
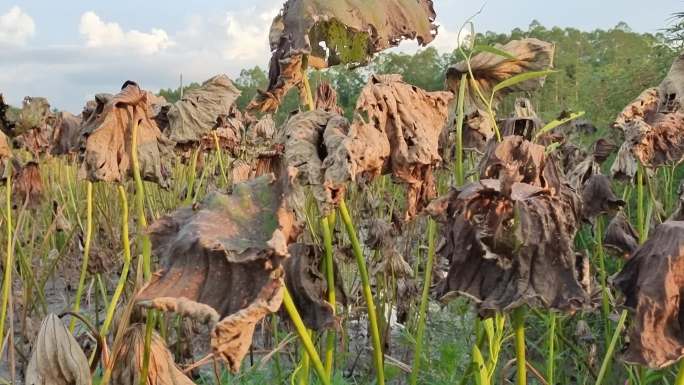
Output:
(509, 237)
(653, 125)
(128, 361)
(326, 99)
(222, 262)
(350, 31)
(598, 198)
(27, 186)
(57, 359)
(652, 282)
(197, 113)
(308, 287)
(67, 133)
(621, 236)
(31, 126)
(108, 130)
(490, 69)
(411, 119)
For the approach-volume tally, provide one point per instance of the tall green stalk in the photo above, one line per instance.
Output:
(551, 359)
(460, 175)
(641, 214)
(217, 143)
(140, 204)
(304, 337)
(7, 276)
(326, 223)
(367, 293)
(680, 375)
(86, 253)
(611, 348)
(518, 320)
(126, 266)
(420, 332)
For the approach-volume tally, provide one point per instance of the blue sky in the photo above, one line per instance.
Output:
(70, 50)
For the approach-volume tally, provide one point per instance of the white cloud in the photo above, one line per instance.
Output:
(246, 33)
(101, 34)
(16, 27)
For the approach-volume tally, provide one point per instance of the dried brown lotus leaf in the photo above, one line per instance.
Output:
(351, 31)
(326, 98)
(598, 197)
(128, 361)
(412, 120)
(526, 127)
(27, 186)
(306, 283)
(67, 133)
(602, 149)
(509, 249)
(31, 126)
(57, 359)
(621, 236)
(198, 112)
(107, 154)
(653, 124)
(263, 129)
(491, 69)
(222, 259)
(652, 282)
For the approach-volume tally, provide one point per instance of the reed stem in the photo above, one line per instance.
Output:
(7, 276)
(611, 348)
(86, 253)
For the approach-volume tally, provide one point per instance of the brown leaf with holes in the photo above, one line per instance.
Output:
(57, 359)
(490, 69)
(653, 125)
(27, 186)
(620, 236)
(128, 361)
(222, 262)
(652, 282)
(107, 154)
(351, 32)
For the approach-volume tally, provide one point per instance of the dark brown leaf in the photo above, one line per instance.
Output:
(621, 236)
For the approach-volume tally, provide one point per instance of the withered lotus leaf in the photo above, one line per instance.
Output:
(621, 236)
(31, 126)
(5, 155)
(326, 98)
(108, 130)
(27, 187)
(489, 70)
(323, 151)
(653, 125)
(196, 114)
(67, 133)
(652, 282)
(598, 197)
(512, 246)
(412, 120)
(307, 285)
(222, 262)
(351, 31)
(128, 361)
(57, 359)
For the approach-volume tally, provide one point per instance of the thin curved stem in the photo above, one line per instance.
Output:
(326, 223)
(367, 293)
(7, 276)
(86, 253)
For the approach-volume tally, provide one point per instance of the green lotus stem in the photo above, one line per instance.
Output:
(518, 320)
(149, 328)
(460, 179)
(304, 337)
(550, 360)
(326, 223)
(7, 276)
(126, 266)
(420, 332)
(86, 253)
(611, 348)
(191, 177)
(305, 82)
(680, 375)
(367, 293)
(305, 366)
(140, 204)
(220, 158)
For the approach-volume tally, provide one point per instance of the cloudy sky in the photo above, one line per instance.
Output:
(69, 50)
